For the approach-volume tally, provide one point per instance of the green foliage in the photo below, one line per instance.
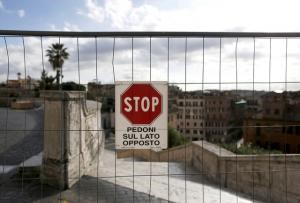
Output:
(248, 149)
(46, 82)
(72, 86)
(175, 138)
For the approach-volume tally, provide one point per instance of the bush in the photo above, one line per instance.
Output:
(175, 138)
(72, 86)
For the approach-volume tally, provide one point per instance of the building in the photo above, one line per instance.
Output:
(98, 90)
(277, 127)
(273, 134)
(218, 115)
(13, 84)
(189, 117)
(27, 83)
(196, 115)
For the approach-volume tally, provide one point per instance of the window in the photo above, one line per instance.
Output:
(258, 130)
(195, 124)
(194, 132)
(290, 130)
(276, 112)
(297, 128)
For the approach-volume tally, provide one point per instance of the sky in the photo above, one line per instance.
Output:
(227, 61)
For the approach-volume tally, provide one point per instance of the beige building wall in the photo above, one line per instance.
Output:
(190, 120)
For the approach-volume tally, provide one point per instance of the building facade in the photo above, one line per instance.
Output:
(277, 126)
(190, 120)
(202, 116)
(218, 114)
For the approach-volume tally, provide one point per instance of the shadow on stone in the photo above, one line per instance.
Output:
(87, 189)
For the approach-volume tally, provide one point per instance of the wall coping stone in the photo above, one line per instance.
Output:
(215, 149)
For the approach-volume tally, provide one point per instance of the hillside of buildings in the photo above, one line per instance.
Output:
(259, 120)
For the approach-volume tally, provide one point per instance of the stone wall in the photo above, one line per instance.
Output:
(73, 141)
(274, 178)
(180, 153)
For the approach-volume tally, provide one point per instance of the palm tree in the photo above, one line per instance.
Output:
(57, 54)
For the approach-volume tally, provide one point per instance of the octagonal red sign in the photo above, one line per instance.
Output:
(141, 103)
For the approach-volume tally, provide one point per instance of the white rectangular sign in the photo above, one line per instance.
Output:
(141, 115)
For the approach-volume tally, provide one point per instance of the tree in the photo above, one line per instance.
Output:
(46, 82)
(57, 54)
(70, 86)
(174, 138)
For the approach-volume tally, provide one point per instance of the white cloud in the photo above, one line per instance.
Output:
(21, 13)
(94, 11)
(206, 15)
(1, 5)
(118, 11)
(159, 61)
(122, 14)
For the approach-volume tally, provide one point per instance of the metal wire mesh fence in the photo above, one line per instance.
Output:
(234, 106)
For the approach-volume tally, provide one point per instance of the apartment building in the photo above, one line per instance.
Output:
(196, 115)
(218, 114)
(278, 126)
(190, 119)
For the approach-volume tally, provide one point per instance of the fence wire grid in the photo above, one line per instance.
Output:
(212, 68)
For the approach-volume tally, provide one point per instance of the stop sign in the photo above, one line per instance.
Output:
(141, 103)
